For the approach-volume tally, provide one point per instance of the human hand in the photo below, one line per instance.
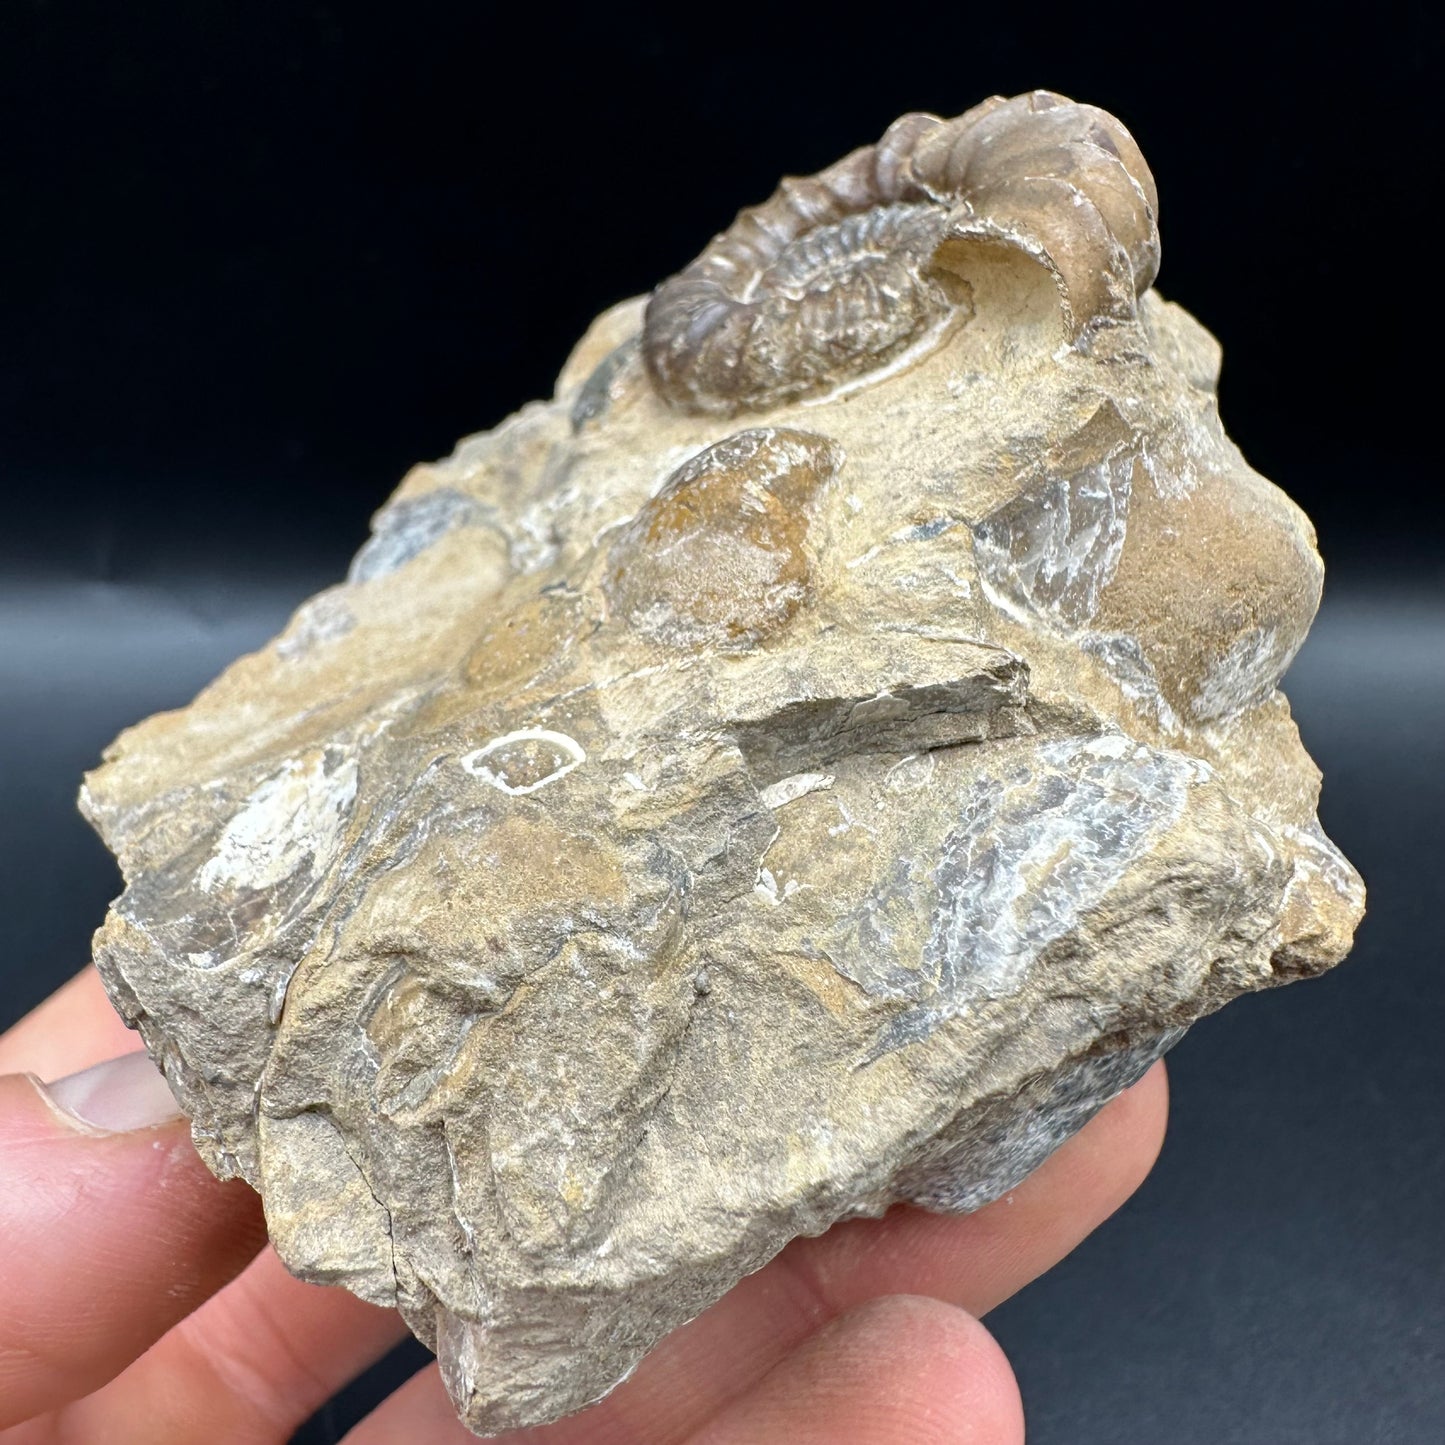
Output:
(139, 1306)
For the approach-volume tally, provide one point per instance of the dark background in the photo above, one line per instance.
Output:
(257, 260)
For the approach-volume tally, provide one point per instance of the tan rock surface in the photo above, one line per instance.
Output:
(812, 762)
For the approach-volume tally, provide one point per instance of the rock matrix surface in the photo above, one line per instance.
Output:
(811, 763)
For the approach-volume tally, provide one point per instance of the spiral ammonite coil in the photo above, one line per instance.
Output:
(845, 272)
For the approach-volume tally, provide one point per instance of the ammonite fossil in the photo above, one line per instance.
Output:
(844, 272)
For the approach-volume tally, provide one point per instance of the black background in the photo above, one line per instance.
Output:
(255, 260)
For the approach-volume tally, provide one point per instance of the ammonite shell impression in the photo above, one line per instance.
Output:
(843, 272)
(808, 765)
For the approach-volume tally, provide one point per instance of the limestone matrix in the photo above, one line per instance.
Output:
(811, 763)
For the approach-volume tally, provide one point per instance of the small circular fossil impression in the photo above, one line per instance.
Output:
(525, 761)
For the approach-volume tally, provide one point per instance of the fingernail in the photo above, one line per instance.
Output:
(116, 1096)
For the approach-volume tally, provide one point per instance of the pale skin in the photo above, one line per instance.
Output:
(139, 1304)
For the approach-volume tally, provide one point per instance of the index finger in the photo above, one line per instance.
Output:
(71, 1030)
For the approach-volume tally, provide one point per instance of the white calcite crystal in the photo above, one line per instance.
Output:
(811, 763)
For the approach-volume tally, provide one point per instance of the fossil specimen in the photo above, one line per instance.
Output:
(847, 270)
(812, 762)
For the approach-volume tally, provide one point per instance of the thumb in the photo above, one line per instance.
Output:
(113, 1229)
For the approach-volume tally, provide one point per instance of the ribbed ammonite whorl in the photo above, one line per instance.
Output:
(843, 272)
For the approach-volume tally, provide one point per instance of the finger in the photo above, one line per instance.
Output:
(974, 1261)
(259, 1336)
(249, 1366)
(897, 1371)
(73, 1029)
(894, 1371)
(113, 1229)
(421, 1411)
(980, 1260)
